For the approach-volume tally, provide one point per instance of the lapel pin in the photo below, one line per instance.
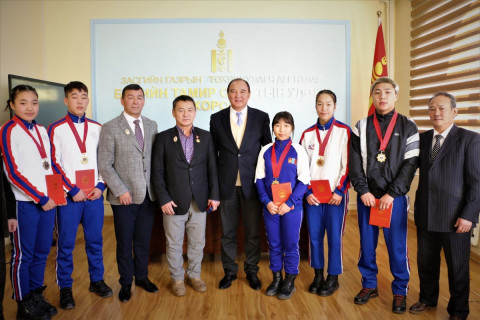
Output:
(127, 131)
(197, 139)
(175, 139)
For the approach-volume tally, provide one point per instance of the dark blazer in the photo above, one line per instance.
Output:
(173, 178)
(450, 187)
(230, 158)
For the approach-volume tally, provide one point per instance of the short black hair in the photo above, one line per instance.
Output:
(182, 98)
(453, 101)
(238, 79)
(74, 85)
(329, 92)
(285, 116)
(19, 89)
(132, 86)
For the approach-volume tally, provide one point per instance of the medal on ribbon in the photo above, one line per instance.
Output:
(323, 144)
(40, 146)
(81, 144)
(381, 156)
(277, 167)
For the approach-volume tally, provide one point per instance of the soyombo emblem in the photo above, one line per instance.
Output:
(221, 58)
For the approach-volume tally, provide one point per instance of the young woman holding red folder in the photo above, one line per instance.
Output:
(26, 161)
(282, 165)
(327, 143)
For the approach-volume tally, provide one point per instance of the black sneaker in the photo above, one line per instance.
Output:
(43, 303)
(399, 304)
(66, 299)
(329, 287)
(101, 289)
(365, 294)
(29, 310)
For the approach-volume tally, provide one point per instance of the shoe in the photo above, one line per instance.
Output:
(198, 284)
(419, 308)
(330, 286)
(399, 304)
(125, 292)
(178, 288)
(365, 294)
(253, 281)
(101, 289)
(147, 285)
(226, 281)
(318, 281)
(29, 310)
(39, 299)
(66, 299)
(276, 284)
(288, 287)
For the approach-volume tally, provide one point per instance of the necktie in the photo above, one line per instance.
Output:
(435, 149)
(138, 133)
(239, 120)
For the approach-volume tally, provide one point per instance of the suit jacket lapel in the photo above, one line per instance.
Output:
(447, 144)
(178, 143)
(248, 126)
(228, 127)
(197, 145)
(123, 123)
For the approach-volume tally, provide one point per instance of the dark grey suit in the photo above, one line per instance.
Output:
(231, 160)
(125, 167)
(448, 189)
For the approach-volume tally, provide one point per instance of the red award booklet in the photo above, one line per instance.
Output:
(85, 180)
(281, 192)
(55, 188)
(380, 218)
(321, 190)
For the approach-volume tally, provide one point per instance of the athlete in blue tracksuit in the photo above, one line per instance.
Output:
(327, 143)
(383, 159)
(282, 162)
(26, 162)
(74, 140)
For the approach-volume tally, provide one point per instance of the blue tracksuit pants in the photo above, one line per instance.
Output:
(396, 241)
(331, 219)
(283, 235)
(90, 215)
(31, 245)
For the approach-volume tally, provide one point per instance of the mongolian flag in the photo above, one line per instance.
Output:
(379, 62)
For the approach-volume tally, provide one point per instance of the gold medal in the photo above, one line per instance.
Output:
(175, 139)
(84, 159)
(381, 157)
(320, 161)
(198, 140)
(46, 165)
(127, 131)
(275, 182)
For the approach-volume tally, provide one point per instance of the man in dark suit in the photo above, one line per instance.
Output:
(124, 158)
(447, 205)
(238, 133)
(185, 182)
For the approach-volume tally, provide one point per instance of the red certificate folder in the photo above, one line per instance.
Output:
(380, 218)
(85, 180)
(55, 188)
(281, 192)
(321, 190)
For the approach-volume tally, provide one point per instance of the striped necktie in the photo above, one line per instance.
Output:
(435, 149)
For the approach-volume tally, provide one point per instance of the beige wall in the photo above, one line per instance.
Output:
(50, 40)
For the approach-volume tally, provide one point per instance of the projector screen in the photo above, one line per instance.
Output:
(286, 63)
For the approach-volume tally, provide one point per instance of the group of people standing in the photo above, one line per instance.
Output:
(237, 168)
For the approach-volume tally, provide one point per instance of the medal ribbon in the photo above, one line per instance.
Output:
(323, 144)
(81, 144)
(276, 168)
(40, 146)
(384, 141)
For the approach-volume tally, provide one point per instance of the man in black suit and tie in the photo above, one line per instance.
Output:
(238, 133)
(185, 182)
(447, 205)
